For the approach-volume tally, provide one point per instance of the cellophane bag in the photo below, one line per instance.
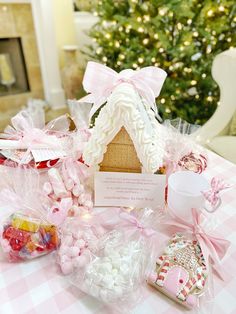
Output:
(30, 141)
(114, 274)
(183, 270)
(182, 153)
(25, 232)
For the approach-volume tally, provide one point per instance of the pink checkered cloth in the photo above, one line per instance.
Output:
(38, 287)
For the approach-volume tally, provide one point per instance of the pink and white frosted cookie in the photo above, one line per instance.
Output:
(181, 271)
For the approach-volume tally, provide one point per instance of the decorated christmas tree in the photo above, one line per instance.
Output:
(180, 36)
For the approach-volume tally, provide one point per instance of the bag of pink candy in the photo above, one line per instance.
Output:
(25, 230)
(116, 263)
(184, 269)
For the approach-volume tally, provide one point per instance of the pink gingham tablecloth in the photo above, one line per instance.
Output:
(38, 287)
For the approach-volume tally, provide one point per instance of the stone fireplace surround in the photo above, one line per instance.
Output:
(32, 21)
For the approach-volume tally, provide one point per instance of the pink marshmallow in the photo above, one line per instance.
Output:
(76, 190)
(67, 268)
(80, 243)
(74, 251)
(69, 184)
(47, 188)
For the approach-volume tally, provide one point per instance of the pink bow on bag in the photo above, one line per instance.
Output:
(211, 246)
(134, 223)
(99, 80)
(25, 131)
(212, 196)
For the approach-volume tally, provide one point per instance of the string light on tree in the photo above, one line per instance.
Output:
(163, 100)
(221, 8)
(140, 29)
(210, 13)
(117, 44)
(210, 98)
(179, 26)
(145, 41)
(108, 35)
(140, 60)
(146, 18)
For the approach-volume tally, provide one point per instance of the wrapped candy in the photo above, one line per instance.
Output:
(114, 275)
(25, 231)
(183, 268)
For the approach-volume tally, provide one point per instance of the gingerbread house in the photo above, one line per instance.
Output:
(126, 136)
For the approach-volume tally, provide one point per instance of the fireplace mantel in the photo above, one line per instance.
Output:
(46, 41)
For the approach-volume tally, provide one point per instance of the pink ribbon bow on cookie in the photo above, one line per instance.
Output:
(211, 246)
(99, 80)
(134, 223)
(217, 185)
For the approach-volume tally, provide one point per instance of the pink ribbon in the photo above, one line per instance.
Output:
(25, 131)
(99, 80)
(134, 223)
(211, 246)
(74, 169)
(217, 185)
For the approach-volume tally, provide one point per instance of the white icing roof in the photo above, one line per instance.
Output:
(125, 108)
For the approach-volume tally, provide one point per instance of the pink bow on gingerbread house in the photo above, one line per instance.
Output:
(211, 246)
(100, 80)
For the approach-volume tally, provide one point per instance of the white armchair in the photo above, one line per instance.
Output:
(214, 134)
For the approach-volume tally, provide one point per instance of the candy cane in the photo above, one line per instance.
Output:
(190, 285)
(163, 273)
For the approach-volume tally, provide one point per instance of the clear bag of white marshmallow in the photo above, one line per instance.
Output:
(115, 274)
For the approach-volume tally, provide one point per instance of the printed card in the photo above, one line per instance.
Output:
(129, 189)
(47, 154)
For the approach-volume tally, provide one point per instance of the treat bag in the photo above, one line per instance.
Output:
(25, 232)
(115, 273)
(183, 269)
(182, 153)
(28, 140)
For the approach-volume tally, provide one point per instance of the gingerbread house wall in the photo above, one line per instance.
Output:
(121, 155)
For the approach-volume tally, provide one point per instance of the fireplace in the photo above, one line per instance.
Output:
(29, 24)
(13, 74)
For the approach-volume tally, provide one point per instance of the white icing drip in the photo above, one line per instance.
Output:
(123, 109)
